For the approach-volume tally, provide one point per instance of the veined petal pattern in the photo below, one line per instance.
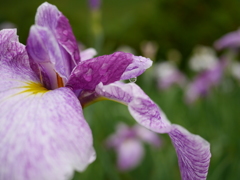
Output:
(50, 17)
(43, 136)
(141, 107)
(193, 153)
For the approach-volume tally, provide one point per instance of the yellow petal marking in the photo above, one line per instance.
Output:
(34, 88)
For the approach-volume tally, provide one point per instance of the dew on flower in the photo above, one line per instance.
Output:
(133, 80)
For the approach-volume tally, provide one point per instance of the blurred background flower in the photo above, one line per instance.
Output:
(167, 75)
(7, 25)
(128, 144)
(203, 58)
(205, 80)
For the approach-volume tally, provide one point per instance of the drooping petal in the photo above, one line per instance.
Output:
(106, 69)
(141, 107)
(149, 115)
(50, 17)
(129, 154)
(193, 153)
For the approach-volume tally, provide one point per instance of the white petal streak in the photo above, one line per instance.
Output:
(43, 136)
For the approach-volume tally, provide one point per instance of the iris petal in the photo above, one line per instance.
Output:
(192, 150)
(43, 134)
(141, 107)
(193, 153)
(106, 69)
(50, 17)
(88, 54)
(14, 62)
(51, 41)
(137, 67)
(44, 50)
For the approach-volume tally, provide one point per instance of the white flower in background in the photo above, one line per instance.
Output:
(165, 69)
(235, 70)
(203, 58)
(126, 49)
(167, 74)
(149, 49)
(7, 25)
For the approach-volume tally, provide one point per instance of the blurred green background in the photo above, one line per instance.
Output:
(179, 24)
(171, 24)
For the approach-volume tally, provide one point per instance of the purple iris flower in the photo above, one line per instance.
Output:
(94, 4)
(127, 141)
(205, 80)
(230, 40)
(43, 87)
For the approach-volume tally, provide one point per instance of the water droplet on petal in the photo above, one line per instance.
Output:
(134, 79)
(103, 90)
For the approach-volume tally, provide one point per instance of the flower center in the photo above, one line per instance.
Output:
(34, 88)
(59, 81)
